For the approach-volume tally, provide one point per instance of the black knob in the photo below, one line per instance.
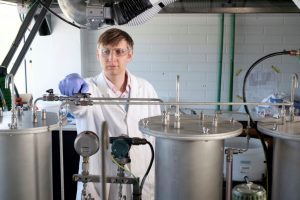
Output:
(50, 91)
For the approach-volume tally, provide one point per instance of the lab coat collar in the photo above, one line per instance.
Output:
(107, 92)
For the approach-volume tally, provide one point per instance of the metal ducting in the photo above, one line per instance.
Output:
(148, 14)
(94, 14)
(86, 13)
(233, 6)
(97, 13)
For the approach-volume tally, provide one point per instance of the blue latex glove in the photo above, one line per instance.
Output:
(72, 84)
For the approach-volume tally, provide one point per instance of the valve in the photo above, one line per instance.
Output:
(50, 96)
(82, 99)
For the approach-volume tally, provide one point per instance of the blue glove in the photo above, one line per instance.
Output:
(72, 84)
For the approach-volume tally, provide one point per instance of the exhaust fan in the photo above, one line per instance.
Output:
(94, 14)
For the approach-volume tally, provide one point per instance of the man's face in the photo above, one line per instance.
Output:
(114, 59)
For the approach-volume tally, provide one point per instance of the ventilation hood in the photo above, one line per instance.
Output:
(232, 6)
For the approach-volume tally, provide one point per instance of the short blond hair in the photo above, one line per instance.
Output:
(113, 36)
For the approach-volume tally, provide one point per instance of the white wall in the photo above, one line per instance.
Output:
(9, 23)
(53, 57)
(259, 35)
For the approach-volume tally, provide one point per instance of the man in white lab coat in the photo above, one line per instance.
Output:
(114, 52)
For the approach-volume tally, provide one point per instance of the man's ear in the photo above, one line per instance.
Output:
(97, 54)
(130, 55)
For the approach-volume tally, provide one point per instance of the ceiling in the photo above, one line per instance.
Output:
(217, 6)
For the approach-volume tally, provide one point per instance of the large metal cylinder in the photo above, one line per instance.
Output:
(189, 160)
(25, 152)
(286, 159)
(188, 169)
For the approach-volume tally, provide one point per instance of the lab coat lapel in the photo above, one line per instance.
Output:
(133, 110)
(134, 90)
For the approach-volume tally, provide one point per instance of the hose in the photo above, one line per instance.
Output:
(250, 69)
(254, 124)
(149, 167)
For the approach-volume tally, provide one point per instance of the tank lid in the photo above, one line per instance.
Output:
(191, 128)
(288, 130)
(25, 123)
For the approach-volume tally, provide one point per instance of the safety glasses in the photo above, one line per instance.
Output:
(118, 52)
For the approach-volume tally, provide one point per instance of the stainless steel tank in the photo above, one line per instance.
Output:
(189, 160)
(25, 157)
(286, 158)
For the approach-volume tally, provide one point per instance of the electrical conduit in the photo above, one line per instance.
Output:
(231, 55)
(220, 59)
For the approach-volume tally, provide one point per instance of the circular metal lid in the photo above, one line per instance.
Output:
(249, 191)
(191, 128)
(25, 123)
(289, 130)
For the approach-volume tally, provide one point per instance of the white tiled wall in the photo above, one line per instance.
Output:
(257, 36)
(188, 45)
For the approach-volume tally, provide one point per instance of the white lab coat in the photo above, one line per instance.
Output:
(119, 122)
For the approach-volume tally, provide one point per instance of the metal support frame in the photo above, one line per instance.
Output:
(31, 36)
(229, 165)
(19, 36)
(21, 33)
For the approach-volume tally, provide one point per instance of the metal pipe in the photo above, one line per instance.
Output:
(282, 114)
(231, 68)
(61, 152)
(104, 146)
(177, 93)
(61, 159)
(229, 164)
(34, 110)
(151, 101)
(177, 112)
(220, 59)
(100, 101)
(294, 85)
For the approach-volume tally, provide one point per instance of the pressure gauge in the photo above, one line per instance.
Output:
(86, 143)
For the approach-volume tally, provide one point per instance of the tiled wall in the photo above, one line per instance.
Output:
(259, 35)
(189, 44)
